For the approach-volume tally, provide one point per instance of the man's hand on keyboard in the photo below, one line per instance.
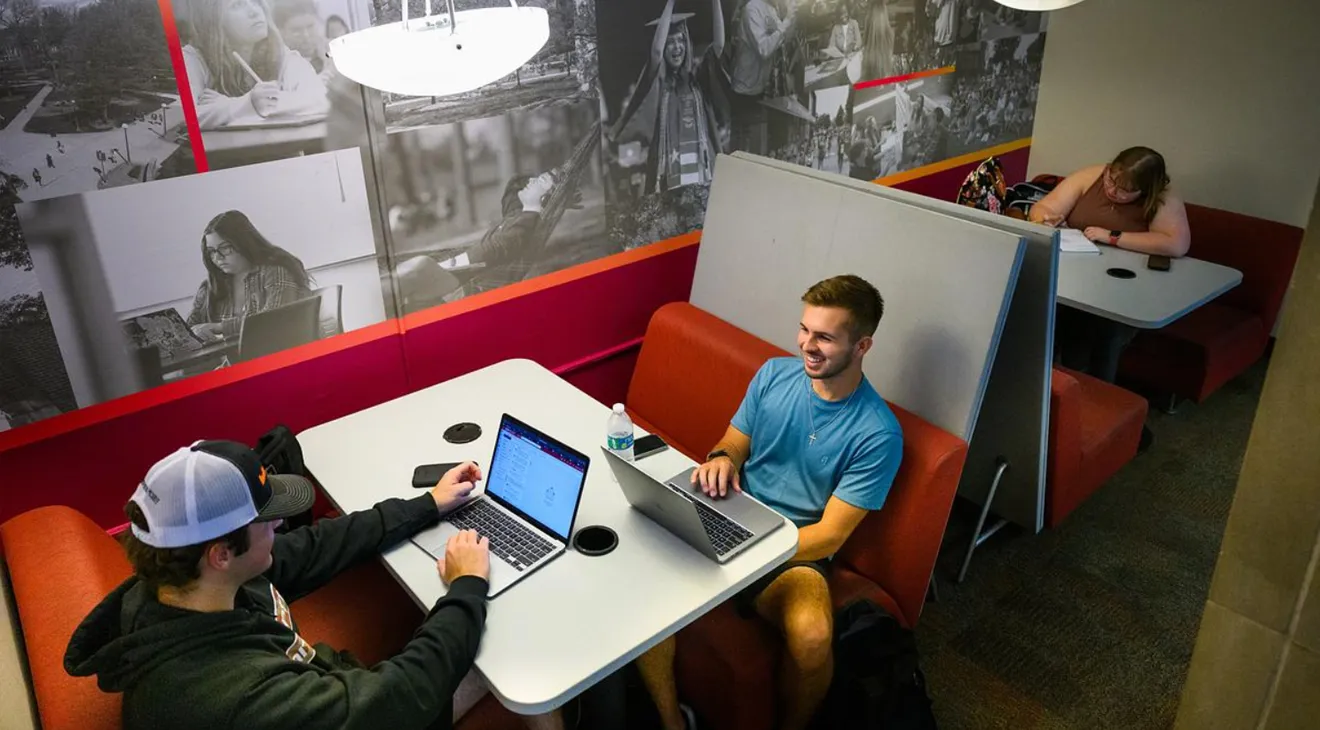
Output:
(465, 554)
(456, 484)
(716, 477)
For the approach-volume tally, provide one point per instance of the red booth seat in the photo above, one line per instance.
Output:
(1095, 428)
(1196, 355)
(61, 564)
(691, 374)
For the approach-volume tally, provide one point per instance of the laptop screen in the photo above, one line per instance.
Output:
(537, 476)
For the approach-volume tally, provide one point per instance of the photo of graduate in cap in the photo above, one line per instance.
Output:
(686, 90)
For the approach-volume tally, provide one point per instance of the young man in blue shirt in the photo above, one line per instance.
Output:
(813, 440)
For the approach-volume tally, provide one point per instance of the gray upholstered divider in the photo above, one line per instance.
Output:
(1014, 416)
(770, 233)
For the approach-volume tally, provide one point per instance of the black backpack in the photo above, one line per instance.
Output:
(281, 453)
(877, 682)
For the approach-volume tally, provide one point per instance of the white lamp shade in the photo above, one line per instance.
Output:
(426, 60)
(1038, 6)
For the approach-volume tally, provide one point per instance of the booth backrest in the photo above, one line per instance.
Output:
(1264, 251)
(61, 564)
(897, 546)
(692, 373)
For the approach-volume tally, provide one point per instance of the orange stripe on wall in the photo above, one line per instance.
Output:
(902, 177)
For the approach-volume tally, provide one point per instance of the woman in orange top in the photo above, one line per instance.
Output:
(1126, 203)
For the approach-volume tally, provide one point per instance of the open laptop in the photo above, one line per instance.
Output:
(164, 329)
(718, 528)
(272, 330)
(533, 489)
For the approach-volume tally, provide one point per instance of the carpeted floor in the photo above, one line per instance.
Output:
(1092, 625)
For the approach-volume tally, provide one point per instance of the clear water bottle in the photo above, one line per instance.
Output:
(619, 433)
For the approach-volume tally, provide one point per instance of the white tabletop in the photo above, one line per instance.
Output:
(576, 620)
(1152, 299)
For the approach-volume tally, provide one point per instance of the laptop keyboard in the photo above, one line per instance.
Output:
(509, 540)
(724, 533)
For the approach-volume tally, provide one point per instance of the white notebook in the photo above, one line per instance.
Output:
(1072, 240)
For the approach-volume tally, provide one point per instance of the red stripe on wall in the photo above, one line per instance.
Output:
(904, 77)
(185, 90)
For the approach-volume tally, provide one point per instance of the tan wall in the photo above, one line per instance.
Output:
(1228, 91)
(1257, 658)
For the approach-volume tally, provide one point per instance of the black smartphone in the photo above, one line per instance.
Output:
(647, 445)
(428, 475)
(1155, 262)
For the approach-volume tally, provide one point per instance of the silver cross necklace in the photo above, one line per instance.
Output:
(811, 412)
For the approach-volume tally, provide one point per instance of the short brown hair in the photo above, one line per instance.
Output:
(862, 301)
(174, 567)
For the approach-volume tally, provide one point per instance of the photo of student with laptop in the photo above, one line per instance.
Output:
(814, 441)
(202, 635)
(245, 274)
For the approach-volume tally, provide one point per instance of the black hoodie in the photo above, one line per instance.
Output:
(248, 668)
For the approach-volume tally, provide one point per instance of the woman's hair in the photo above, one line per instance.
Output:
(510, 203)
(174, 567)
(237, 230)
(208, 36)
(1141, 169)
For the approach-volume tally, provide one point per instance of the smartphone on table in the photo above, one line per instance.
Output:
(647, 445)
(428, 475)
(1155, 262)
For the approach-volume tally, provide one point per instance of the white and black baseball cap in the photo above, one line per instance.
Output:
(211, 488)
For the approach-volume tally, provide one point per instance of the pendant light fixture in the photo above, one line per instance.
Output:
(1038, 6)
(442, 54)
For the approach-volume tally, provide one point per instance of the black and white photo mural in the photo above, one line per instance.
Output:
(994, 92)
(151, 283)
(88, 99)
(476, 205)
(261, 81)
(121, 267)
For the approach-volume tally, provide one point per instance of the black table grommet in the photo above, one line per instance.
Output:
(594, 540)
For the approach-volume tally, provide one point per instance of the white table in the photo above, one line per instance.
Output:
(578, 619)
(1150, 300)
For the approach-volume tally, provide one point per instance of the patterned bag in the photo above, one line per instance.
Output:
(985, 187)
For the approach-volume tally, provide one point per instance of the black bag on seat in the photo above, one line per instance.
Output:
(877, 680)
(281, 453)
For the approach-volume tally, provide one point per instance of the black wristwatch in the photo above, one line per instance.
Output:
(717, 453)
(1113, 237)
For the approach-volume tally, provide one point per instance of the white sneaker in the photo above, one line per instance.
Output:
(689, 717)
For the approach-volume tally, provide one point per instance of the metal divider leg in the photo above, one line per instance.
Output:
(980, 535)
(934, 588)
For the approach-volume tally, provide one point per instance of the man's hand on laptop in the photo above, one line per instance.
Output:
(465, 554)
(455, 485)
(716, 477)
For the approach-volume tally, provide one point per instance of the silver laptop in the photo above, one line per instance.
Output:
(718, 528)
(533, 488)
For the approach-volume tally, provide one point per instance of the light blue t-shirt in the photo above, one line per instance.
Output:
(855, 455)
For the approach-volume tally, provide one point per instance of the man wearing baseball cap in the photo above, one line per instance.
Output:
(202, 636)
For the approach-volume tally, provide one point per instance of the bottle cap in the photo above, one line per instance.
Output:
(618, 408)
